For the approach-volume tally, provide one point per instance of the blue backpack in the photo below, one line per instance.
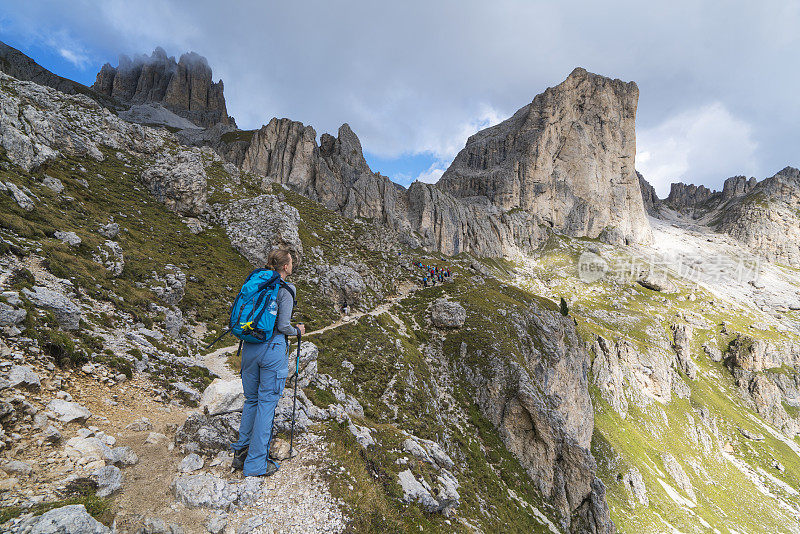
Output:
(255, 308)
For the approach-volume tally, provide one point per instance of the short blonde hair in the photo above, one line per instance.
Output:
(277, 259)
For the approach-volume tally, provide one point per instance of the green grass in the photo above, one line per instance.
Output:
(245, 136)
(79, 491)
(152, 237)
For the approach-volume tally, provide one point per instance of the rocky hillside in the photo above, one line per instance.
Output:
(16, 64)
(763, 215)
(766, 217)
(660, 395)
(184, 87)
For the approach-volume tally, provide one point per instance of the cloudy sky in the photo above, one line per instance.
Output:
(718, 81)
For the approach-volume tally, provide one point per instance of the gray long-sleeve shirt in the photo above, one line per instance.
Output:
(283, 321)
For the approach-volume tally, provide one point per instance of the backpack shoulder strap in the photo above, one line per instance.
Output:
(291, 292)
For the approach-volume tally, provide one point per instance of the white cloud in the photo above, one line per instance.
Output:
(700, 146)
(73, 56)
(433, 173)
(445, 145)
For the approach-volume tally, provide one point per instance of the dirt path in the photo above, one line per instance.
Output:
(217, 361)
(404, 291)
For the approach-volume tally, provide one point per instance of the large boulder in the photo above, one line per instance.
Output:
(682, 335)
(222, 396)
(70, 519)
(68, 238)
(341, 284)
(23, 376)
(170, 287)
(67, 313)
(208, 491)
(657, 281)
(257, 225)
(443, 498)
(67, 411)
(88, 450)
(179, 181)
(447, 314)
(109, 480)
(11, 316)
(209, 434)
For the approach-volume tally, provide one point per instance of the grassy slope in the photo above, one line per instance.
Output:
(727, 499)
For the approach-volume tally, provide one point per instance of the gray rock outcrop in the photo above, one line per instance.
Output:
(341, 284)
(70, 519)
(68, 238)
(551, 439)
(634, 483)
(443, 498)
(11, 316)
(652, 204)
(208, 491)
(179, 181)
(38, 124)
(205, 434)
(447, 314)
(170, 287)
(22, 196)
(678, 475)
(67, 411)
(222, 396)
(23, 376)
(682, 345)
(758, 368)
(184, 87)
(67, 313)
(257, 225)
(567, 157)
(109, 480)
(767, 218)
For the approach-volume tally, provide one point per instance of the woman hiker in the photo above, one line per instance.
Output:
(264, 371)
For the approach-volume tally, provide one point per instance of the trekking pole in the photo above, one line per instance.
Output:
(294, 402)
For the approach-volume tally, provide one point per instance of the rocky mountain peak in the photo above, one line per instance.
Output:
(736, 186)
(184, 87)
(567, 158)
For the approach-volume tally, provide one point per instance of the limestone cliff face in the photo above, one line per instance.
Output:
(336, 174)
(563, 162)
(698, 200)
(567, 158)
(652, 204)
(543, 412)
(767, 218)
(184, 87)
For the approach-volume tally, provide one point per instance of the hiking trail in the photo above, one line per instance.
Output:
(217, 361)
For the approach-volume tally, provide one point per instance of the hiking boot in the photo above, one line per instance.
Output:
(272, 468)
(238, 458)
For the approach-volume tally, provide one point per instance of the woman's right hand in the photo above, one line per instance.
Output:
(301, 328)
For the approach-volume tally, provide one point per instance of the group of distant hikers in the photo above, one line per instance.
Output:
(433, 274)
